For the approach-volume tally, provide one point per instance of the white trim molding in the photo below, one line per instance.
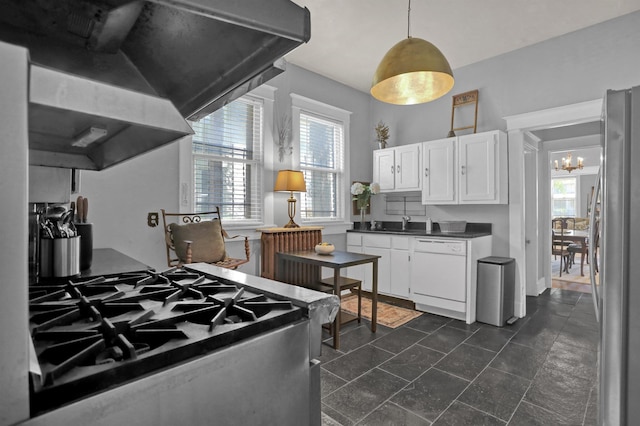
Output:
(583, 112)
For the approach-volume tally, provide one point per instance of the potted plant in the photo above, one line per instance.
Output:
(382, 134)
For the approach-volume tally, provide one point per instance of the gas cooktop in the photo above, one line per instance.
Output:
(92, 335)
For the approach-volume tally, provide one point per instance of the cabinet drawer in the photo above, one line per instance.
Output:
(400, 243)
(354, 239)
(380, 241)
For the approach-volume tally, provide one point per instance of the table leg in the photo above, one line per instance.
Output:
(374, 297)
(338, 319)
(583, 254)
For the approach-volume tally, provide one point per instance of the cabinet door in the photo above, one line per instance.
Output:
(377, 245)
(407, 167)
(438, 174)
(384, 271)
(400, 273)
(384, 168)
(477, 168)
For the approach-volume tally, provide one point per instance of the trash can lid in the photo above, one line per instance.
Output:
(497, 260)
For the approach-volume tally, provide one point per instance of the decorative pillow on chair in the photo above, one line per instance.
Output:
(207, 244)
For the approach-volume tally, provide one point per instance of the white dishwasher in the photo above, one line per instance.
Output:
(439, 275)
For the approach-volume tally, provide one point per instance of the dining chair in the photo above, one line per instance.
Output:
(578, 248)
(559, 245)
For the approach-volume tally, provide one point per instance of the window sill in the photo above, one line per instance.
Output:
(330, 228)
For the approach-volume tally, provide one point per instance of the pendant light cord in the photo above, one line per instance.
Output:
(409, 20)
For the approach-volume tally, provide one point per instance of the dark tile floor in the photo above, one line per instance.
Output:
(434, 370)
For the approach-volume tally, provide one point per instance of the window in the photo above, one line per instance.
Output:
(563, 197)
(227, 161)
(322, 152)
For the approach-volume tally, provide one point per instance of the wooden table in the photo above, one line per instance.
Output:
(578, 237)
(336, 260)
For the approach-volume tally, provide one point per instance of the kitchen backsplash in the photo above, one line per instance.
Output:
(404, 205)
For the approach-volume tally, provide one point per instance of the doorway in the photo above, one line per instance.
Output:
(547, 125)
(569, 197)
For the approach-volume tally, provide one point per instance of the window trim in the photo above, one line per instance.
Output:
(312, 107)
(266, 94)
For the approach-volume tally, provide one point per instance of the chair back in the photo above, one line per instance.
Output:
(558, 231)
(175, 247)
(563, 224)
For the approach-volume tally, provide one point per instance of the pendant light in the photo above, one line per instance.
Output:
(413, 71)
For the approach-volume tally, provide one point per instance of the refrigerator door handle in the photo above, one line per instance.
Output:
(592, 239)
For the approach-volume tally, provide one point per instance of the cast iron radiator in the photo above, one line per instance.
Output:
(276, 240)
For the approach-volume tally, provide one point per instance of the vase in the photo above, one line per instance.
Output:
(363, 224)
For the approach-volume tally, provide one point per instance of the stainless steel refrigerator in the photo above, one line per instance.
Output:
(617, 297)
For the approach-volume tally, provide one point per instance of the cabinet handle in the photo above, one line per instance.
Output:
(392, 169)
(462, 167)
(426, 172)
(398, 169)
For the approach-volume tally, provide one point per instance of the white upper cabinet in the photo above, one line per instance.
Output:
(439, 178)
(469, 169)
(397, 169)
(384, 168)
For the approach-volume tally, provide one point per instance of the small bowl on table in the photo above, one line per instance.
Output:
(324, 248)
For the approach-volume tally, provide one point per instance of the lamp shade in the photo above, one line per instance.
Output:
(290, 180)
(413, 71)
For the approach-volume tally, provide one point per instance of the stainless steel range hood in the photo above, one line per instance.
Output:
(138, 69)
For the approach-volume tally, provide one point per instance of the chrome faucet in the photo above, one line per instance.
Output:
(405, 221)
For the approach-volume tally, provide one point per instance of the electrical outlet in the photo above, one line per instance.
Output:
(152, 219)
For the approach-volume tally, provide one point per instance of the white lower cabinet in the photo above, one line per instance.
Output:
(400, 266)
(438, 274)
(378, 245)
(394, 262)
(354, 245)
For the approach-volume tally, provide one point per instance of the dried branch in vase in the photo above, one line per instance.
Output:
(283, 127)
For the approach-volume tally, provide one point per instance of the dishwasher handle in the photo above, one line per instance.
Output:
(440, 246)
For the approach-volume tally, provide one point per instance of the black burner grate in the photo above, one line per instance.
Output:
(92, 335)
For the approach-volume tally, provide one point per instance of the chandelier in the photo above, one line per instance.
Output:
(566, 164)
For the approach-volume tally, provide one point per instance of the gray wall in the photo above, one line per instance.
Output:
(573, 68)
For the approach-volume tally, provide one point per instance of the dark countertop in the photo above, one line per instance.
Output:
(417, 229)
(423, 233)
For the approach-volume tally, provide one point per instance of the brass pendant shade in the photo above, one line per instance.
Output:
(413, 71)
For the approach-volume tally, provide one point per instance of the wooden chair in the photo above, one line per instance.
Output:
(325, 285)
(199, 237)
(577, 247)
(558, 244)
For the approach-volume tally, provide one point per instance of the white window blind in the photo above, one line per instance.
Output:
(322, 162)
(227, 161)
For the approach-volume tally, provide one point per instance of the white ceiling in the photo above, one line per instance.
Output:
(350, 37)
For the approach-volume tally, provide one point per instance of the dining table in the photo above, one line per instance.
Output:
(335, 260)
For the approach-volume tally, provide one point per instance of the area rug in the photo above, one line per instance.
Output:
(574, 273)
(388, 315)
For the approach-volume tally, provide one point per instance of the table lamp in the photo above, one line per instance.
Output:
(290, 180)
